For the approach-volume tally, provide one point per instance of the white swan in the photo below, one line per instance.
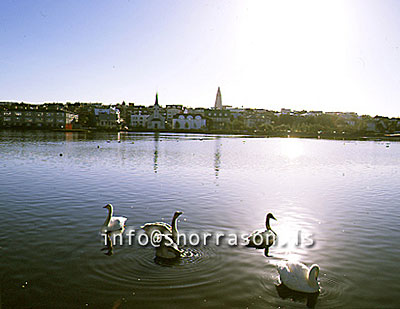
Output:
(164, 228)
(298, 277)
(113, 224)
(263, 239)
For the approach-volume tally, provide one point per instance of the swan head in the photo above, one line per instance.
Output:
(271, 216)
(108, 206)
(313, 275)
(177, 214)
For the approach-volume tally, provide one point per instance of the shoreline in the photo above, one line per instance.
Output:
(362, 137)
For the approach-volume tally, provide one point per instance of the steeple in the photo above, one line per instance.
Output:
(218, 100)
(156, 99)
(156, 110)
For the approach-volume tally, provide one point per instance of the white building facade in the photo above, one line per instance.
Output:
(139, 120)
(189, 122)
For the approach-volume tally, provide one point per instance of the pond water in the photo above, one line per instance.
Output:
(340, 198)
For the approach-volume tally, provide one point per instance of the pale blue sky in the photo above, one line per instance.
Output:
(339, 55)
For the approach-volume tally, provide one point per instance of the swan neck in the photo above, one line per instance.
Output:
(312, 278)
(312, 283)
(174, 228)
(108, 219)
(267, 224)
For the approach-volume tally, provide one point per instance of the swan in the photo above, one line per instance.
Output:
(113, 224)
(168, 237)
(164, 228)
(262, 239)
(298, 277)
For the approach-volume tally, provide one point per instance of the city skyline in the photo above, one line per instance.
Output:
(314, 55)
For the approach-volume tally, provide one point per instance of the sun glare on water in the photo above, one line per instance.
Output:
(292, 148)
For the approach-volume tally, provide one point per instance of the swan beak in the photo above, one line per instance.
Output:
(107, 206)
(272, 217)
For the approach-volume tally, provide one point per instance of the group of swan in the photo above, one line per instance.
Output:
(162, 233)
(295, 275)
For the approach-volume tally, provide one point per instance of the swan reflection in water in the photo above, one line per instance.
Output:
(108, 246)
(167, 262)
(310, 298)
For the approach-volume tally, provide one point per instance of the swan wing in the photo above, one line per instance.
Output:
(161, 227)
(119, 221)
(116, 224)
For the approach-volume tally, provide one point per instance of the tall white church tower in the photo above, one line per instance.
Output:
(218, 100)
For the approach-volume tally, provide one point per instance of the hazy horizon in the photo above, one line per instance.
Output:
(312, 55)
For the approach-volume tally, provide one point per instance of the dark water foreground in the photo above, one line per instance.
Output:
(344, 196)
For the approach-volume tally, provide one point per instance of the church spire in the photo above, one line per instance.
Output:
(218, 100)
(156, 99)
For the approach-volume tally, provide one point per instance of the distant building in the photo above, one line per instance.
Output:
(377, 124)
(315, 113)
(189, 122)
(124, 112)
(256, 121)
(107, 117)
(139, 120)
(236, 112)
(156, 120)
(37, 118)
(197, 111)
(139, 116)
(218, 119)
(173, 110)
(218, 100)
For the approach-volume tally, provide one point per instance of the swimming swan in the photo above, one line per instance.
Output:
(298, 277)
(164, 228)
(262, 239)
(113, 224)
(165, 236)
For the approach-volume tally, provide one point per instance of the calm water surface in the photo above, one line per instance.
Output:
(344, 196)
